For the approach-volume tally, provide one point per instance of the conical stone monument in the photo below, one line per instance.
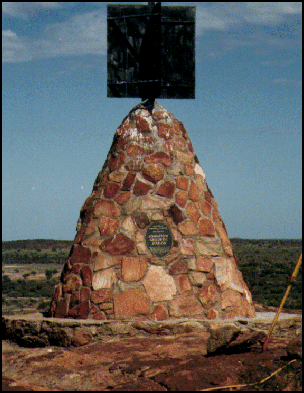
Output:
(150, 241)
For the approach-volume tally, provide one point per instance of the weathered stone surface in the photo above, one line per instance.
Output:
(193, 192)
(106, 208)
(128, 226)
(183, 284)
(108, 226)
(129, 180)
(80, 254)
(143, 124)
(204, 206)
(61, 309)
(104, 279)
(176, 214)
(102, 296)
(72, 283)
(141, 188)
(203, 264)
(92, 241)
(81, 337)
(103, 262)
(165, 131)
(179, 267)
(134, 149)
(85, 294)
(134, 164)
(159, 158)
(185, 305)
(153, 173)
(99, 316)
(130, 303)
(222, 233)
(80, 311)
(206, 227)
(169, 147)
(111, 190)
(141, 219)
(184, 157)
(118, 245)
(207, 295)
(197, 278)
(133, 269)
(123, 197)
(116, 161)
(91, 227)
(221, 337)
(158, 284)
(86, 275)
(227, 276)
(180, 143)
(181, 198)
(159, 313)
(212, 314)
(187, 247)
(193, 213)
(117, 176)
(230, 298)
(182, 182)
(153, 202)
(166, 189)
(187, 228)
(209, 249)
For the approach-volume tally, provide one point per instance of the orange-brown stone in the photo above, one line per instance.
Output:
(159, 313)
(176, 214)
(185, 305)
(133, 269)
(193, 192)
(85, 294)
(166, 189)
(123, 197)
(108, 226)
(184, 157)
(118, 245)
(142, 124)
(207, 295)
(129, 180)
(99, 316)
(222, 233)
(192, 212)
(141, 188)
(165, 131)
(187, 228)
(183, 284)
(206, 227)
(179, 267)
(106, 208)
(111, 190)
(81, 311)
(187, 247)
(134, 150)
(153, 172)
(116, 161)
(80, 254)
(204, 264)
(204, 206)
(181, 198)
(212, 314)
(86, 275)
(182, 182)
(103, 262)
(130, 303)
(102, 296)
(159, 158)
(230, 298)
(169, 147)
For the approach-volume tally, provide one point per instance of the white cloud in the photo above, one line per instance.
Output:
(82, 34)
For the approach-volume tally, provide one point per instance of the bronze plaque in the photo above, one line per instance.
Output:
(159, 239)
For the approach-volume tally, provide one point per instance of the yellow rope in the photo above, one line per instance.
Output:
(250, 384)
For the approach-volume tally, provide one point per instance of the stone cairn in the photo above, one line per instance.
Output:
(151, 175)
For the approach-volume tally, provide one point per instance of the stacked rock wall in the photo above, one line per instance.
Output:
(151, 175)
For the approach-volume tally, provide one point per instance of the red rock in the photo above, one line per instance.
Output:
(76, 268)
(230, 298)
(85, 294)
(81, 311)
(180, 143)
(116, 161)
(204, 264)
(212, 314)
(182, 182)
(133, 269)
(118, 245)
(192, 212)
(116, 176)
(207, 295)
(178, 267)
(81, 337)
(92, 241)
(236, 312)
(103, 262)
(102, 296)
(153, 173)
(108, 226)
(61, 309)
(159, 313)
(141, 219)
(86, 275)
(222, 233)
(158, 115)
(193, 192)
(181, 198)
(166, 189)
(169, 147)
(111, 190)
(199, 179)
(106, 208)
(208, 196)
(190, 147)
(134, 150)
(123, 197)
(189, 170)
(57, 292)
(165, 131)
(187, 228)
(185, 305)
(134, 164)
(142, 124)
(72, 283)
(91, 227)
(184, 157)
(129, 180)
(206, 227)
(141, 188)
(204, 206)
(159, 158)
(187, 247)
(100, 316)
(158, 284)
(130, 303)
(176, 214)
(183, 284)
(80, 254)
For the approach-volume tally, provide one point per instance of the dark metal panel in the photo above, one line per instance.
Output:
(151, 51)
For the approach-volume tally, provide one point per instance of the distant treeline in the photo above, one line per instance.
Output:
(35, 244)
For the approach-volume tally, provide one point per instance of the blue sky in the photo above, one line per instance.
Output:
(245, 123)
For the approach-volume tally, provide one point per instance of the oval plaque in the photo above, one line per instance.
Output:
(158, 239)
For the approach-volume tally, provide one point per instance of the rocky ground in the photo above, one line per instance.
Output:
(173, 362)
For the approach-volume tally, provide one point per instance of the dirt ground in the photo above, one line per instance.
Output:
(144, 364)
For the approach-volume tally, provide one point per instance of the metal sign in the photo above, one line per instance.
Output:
(159, 239)
(151, 51)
